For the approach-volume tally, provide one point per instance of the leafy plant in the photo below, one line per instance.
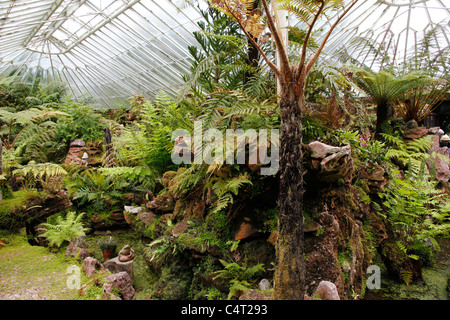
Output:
(224, 190)
(420, 102)
(416, 210)
(220, 58)
(39, 172)
(148, 143)
(83, 123)
(406, 276)
(107, 244)
(239, 277)
(410, 154)
(94, 188)
(64, 229)
(138, 176)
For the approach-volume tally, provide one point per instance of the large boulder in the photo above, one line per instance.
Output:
(327, 163)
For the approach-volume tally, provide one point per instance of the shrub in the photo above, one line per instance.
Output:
(83, 123)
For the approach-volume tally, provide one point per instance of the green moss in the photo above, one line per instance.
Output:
(345, 256)
(34, 269)
(6, 191)
(11, 209)
(364, 196)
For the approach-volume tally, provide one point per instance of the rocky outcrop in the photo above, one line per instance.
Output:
(327, 163)
(375, 177)
(77, 150)
(36, 211)
(163, 203)
(75, 153)
(115, 221)
(440, 165)
(337, 251)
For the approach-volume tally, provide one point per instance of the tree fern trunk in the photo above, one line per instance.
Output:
(289, 278)
(382, 117)
(252, 52)
(1, 168)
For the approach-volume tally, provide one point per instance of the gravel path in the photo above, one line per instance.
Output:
(32, 273)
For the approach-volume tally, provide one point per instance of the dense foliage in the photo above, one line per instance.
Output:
(224, 91)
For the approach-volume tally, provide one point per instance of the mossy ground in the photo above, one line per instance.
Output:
(433, 287)
(33, 273)
(37, 273)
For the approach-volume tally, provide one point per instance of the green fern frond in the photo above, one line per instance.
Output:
(64, 229)
(406, 276)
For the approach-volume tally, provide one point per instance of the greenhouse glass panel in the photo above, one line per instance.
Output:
(134, 47)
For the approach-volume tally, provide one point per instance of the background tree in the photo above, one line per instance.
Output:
(385, 88)
(289, 278)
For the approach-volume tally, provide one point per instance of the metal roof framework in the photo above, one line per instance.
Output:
(113, 49)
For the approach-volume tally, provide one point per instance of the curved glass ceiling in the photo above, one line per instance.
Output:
(113, 49)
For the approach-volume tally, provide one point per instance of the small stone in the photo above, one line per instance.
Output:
(327, 291)
(180, 228)
(346, 266)
(264, 285)
(77, 143)
(126, 254)
(273, 237)
(132, 210)
(246, 230)
(411, 124)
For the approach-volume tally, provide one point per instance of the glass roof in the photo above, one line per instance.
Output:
(113, 49)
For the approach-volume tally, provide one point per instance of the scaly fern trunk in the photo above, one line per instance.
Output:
(289, 277)
(1, 167)
(383, 115)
